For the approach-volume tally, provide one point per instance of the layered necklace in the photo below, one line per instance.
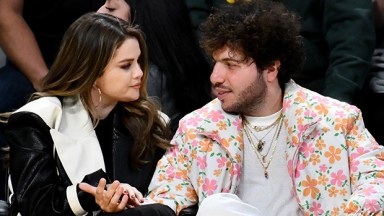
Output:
(260, 142)
(259, 146)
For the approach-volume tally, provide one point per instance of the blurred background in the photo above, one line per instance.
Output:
(2, 58)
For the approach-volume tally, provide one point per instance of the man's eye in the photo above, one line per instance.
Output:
(229, 65)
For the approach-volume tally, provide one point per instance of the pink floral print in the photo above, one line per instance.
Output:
(335, 165)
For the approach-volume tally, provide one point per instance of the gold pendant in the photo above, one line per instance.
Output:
(260, 146)
(266, 174)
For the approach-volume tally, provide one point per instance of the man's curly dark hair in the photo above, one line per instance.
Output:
(262, 30)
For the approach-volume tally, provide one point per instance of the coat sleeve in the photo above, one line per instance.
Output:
(366, 158)
(37, 187)
(170, 184)
(349, 31)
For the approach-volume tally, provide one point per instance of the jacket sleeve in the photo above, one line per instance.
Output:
(38, 188)
(170, 184)
(348, 28)
(366, 158)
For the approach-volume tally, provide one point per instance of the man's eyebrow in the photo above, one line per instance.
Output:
(233, 60)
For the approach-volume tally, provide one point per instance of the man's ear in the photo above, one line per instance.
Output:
(273, 70)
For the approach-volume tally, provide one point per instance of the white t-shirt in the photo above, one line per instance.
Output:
(272, 196)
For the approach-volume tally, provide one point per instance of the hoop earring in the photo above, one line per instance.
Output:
(98, 89)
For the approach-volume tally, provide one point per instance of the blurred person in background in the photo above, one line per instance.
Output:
(370, 99)
(339, 38)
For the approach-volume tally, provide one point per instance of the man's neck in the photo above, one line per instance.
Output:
(273, 103)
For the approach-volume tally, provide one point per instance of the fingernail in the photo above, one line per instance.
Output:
(141, 200)
(132, 196)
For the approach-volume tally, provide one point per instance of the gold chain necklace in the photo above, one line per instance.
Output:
(265, 166)
(262, 128)
(260, 142)
(263, 156)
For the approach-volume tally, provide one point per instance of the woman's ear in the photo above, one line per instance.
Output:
(273, 70)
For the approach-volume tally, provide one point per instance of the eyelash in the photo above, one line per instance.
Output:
(227, 64)
(126, 67)
(230, 66)
(110, 9)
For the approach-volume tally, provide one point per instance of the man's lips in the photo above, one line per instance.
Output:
(221, 93)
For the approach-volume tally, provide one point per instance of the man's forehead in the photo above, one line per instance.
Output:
(229, 54)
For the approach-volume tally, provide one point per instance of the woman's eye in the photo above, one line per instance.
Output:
(110, 9)
(126, 66)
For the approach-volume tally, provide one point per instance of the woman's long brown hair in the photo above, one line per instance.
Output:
(87, 47)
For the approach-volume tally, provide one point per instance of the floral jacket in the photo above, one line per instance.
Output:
(336, 166)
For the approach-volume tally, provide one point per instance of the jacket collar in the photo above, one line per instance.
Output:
(73, 134)
(300, 120)
(231, 138)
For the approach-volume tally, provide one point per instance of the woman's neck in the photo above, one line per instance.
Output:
(102, 105)
(103, 110)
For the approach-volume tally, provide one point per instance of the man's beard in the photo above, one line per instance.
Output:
(251, 98)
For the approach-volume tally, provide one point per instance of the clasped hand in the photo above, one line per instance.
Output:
(114, 197)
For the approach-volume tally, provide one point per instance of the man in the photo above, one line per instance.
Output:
(338, 41)
(267, 146)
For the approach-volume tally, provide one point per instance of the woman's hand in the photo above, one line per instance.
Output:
(135, 198)
(115, 198)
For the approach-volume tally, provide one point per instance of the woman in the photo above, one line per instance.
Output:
(91, 124)
(179, 72)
